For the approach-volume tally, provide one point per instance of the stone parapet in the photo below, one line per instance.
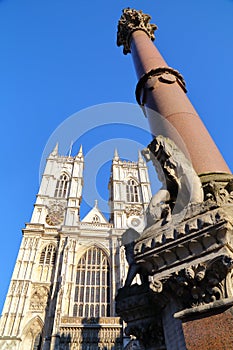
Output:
(102, 333)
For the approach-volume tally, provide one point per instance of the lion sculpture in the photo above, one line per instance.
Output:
(180, 183)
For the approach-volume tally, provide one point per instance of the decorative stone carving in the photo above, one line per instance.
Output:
(130, 21)
(39, 298)
(219, 193)
(150, 79)
(140, 306)
(202, 283)
(94, 336)
(131, 210)
(32, 329)
(181, 184)
(56, 213)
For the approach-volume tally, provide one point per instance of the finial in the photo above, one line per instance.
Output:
(54, 151)
(116, 156)
(140, 159)
(80, 152)
(96, 203)
(130, 21)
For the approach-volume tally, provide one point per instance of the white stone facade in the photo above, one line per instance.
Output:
(68, 270)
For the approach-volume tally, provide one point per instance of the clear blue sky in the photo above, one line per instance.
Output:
(59, 57)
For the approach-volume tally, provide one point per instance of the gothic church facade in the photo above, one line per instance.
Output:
(68, 270)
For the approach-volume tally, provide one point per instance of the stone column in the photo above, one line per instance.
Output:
(162, 93)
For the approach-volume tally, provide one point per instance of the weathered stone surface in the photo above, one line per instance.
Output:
(189, 258)
(180, 183)
(140, 306)
(130, 21)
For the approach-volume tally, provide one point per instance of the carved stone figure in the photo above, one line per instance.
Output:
(203, 283)
(142, 268)
(180, 183)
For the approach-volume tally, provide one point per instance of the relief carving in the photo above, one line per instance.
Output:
(203, 283)
(39, 298)
(131, 210)
(221, 193)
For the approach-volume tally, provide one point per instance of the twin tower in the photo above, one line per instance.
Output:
(69, 272)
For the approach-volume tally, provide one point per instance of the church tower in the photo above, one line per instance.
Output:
(68, 269)
(130, 193)
(59, 197)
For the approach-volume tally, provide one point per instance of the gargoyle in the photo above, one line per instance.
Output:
(180, 183)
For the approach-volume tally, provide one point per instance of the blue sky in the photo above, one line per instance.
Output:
(60, 57)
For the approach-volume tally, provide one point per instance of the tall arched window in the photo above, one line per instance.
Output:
(37, 343)
(92, 298)
(48, 255)
(132, 191)
(62, 186)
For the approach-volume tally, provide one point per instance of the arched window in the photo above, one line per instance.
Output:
(37, 343)
(62, 186)
(132, 191)
(95, 219)
(48, 255)
(92, 298)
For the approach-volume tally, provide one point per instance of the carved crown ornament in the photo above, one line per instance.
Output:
(130, 21)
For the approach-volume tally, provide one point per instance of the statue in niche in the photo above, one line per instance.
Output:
(180, 183)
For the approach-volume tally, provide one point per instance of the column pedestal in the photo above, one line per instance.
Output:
(208, 327)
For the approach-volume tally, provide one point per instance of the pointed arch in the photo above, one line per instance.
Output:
(132, 191)
(48, 255)
(82, 250)
(62, 186)
(32, 334)
(92, 284)
(47, 261)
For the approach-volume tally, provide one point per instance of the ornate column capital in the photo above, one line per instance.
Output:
(130, 21)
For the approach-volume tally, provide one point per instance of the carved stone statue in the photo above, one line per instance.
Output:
(180, 183)
(143, 269)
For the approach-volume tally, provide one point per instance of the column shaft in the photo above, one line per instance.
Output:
(169, 100)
